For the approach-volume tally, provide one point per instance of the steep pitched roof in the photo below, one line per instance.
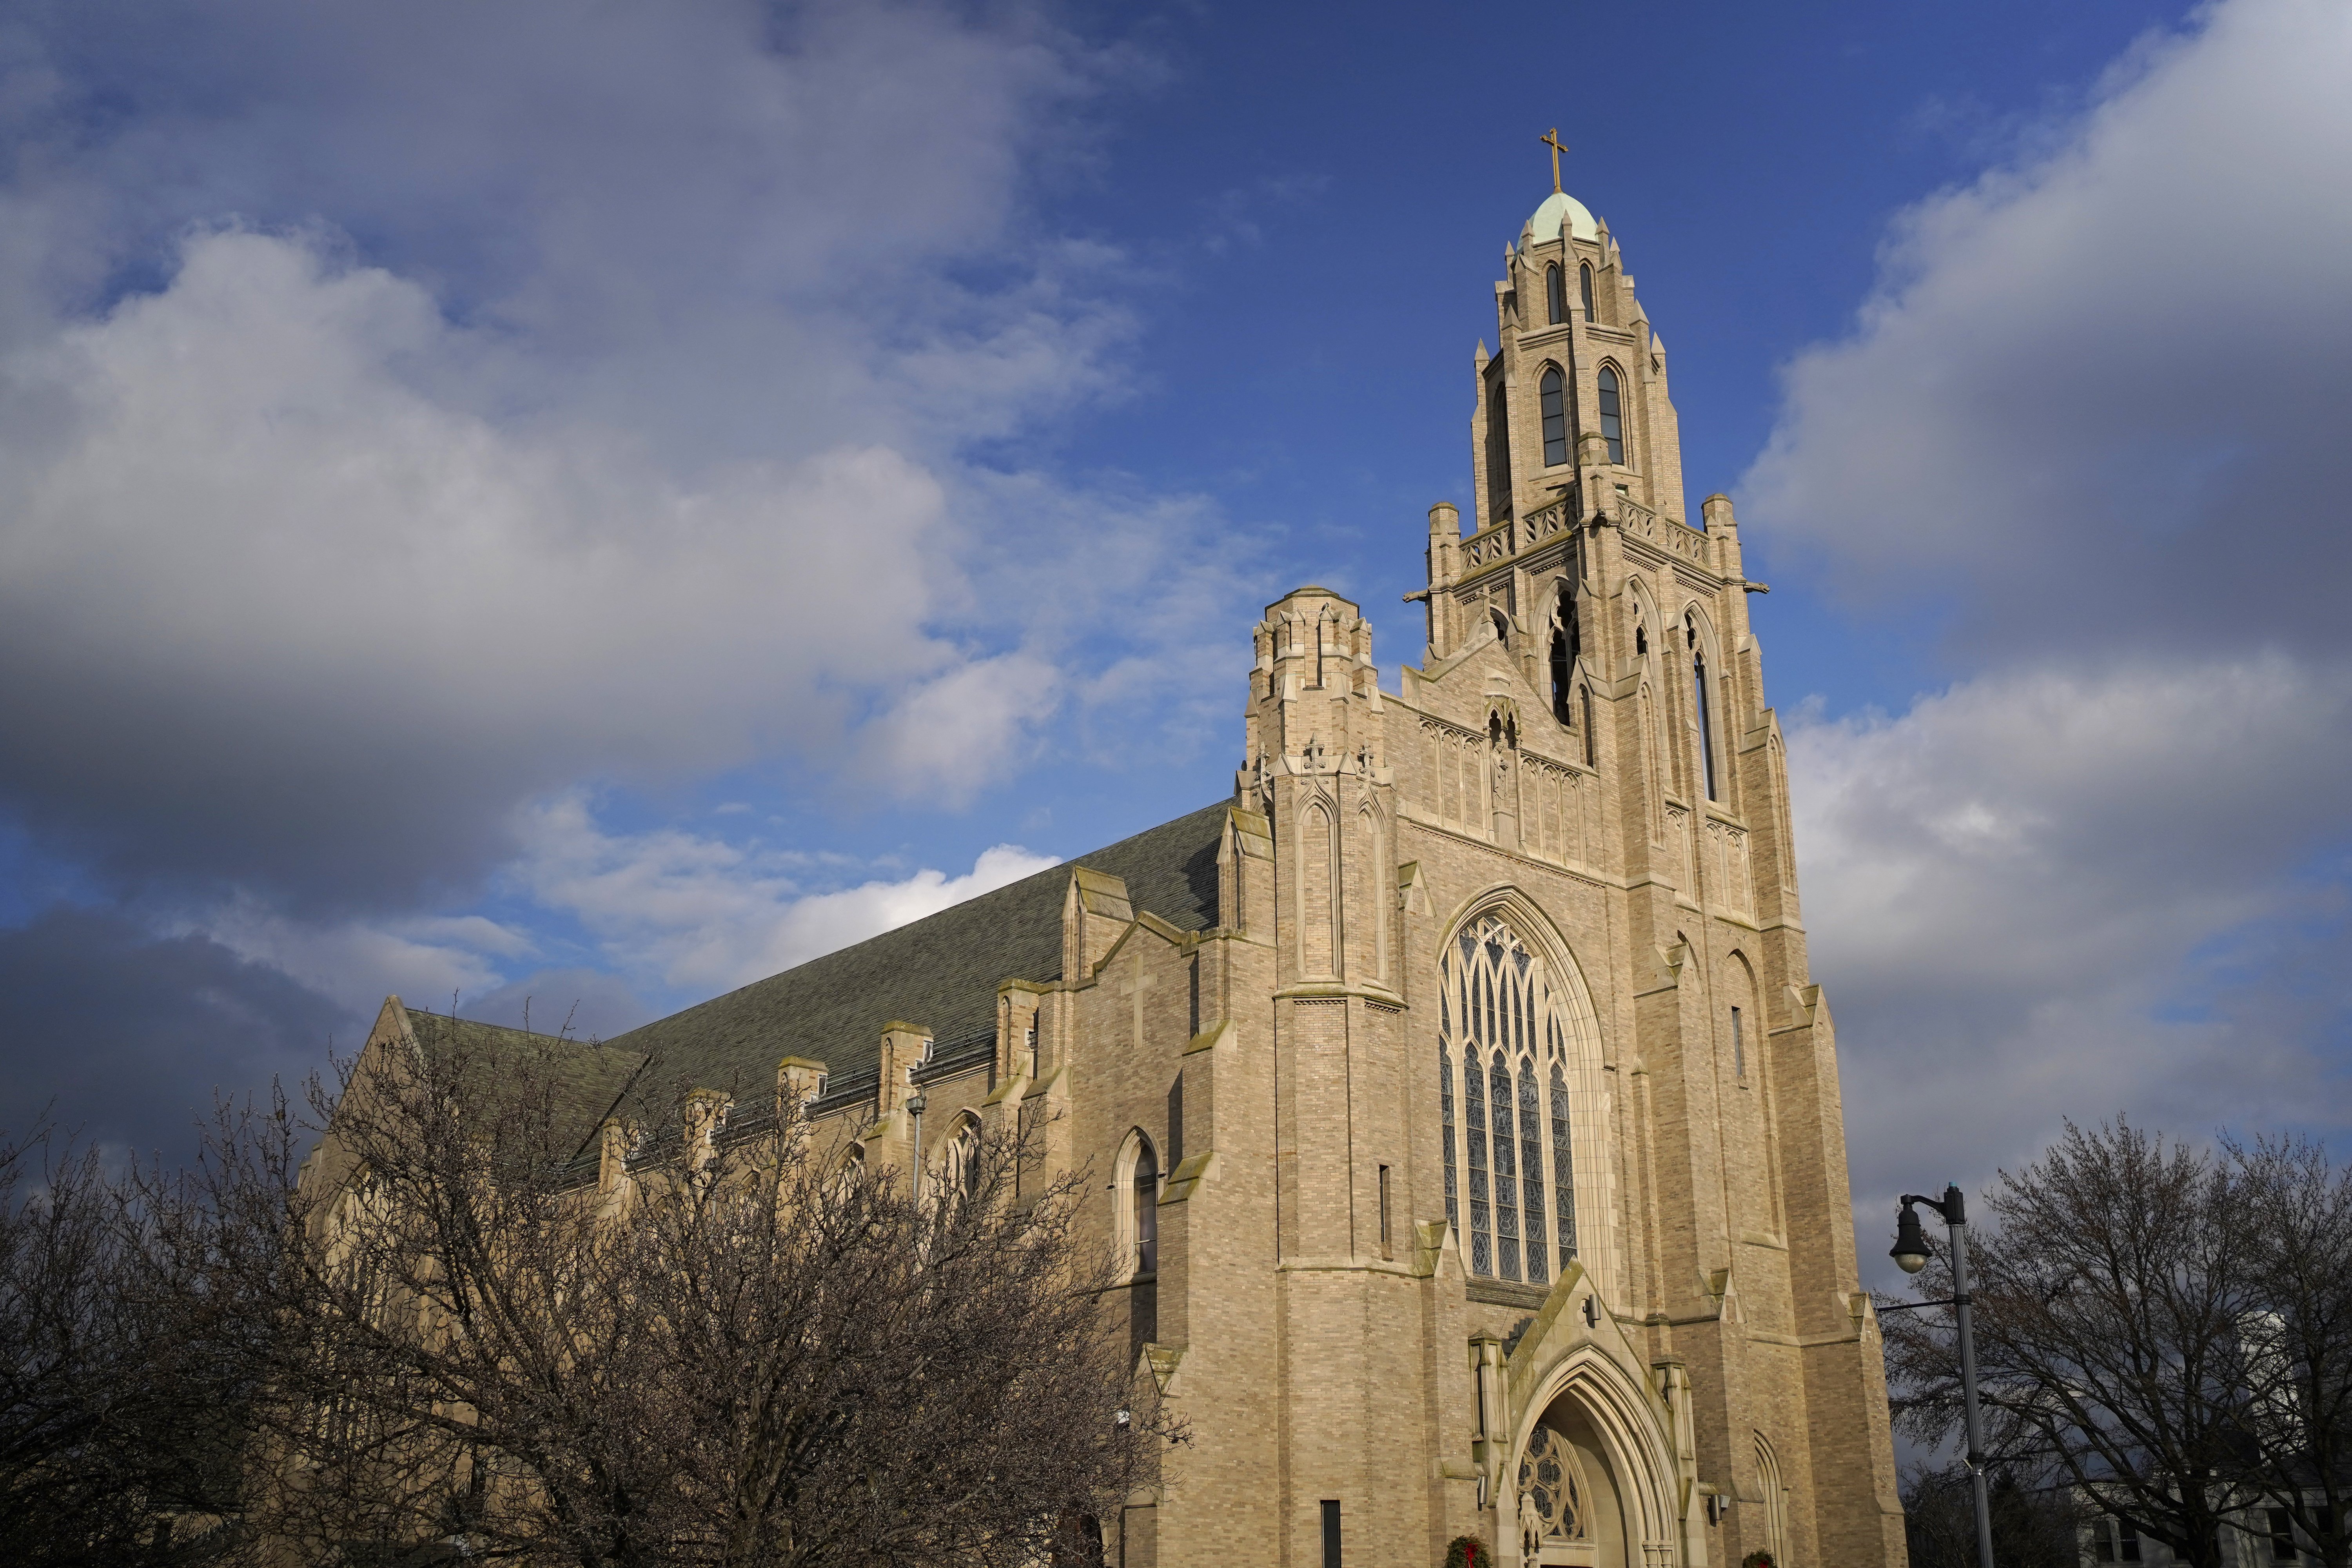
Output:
(584, 1079)
(941, 971)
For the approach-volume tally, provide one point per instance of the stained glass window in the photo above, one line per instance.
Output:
(1531, 1182)
(1506, 1171)
(1498, 1019)
(1563, 1180)
(1482, 1245)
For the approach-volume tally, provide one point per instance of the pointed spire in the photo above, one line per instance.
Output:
(1483, 355)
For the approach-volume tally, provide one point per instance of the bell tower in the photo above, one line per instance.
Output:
(1525, 1101)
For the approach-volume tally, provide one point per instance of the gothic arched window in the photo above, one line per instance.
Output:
(1699, 708)
(1612, 422)
(1556, 294)
(1555, 416)
(1496, 1016)
(960, 1160)
(1143, 1211)
(1564, 650)
(1584, 277)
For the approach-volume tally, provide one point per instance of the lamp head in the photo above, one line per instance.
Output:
(1910, 1248)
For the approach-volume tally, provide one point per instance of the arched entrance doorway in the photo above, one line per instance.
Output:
(1592, 1480)
(1571, 1503)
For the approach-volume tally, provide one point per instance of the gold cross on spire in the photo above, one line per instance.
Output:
(1553, 141)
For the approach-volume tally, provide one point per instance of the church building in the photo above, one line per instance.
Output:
(1464, 1107)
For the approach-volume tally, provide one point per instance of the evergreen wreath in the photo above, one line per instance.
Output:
(1468, 1551)
(1759, 1558)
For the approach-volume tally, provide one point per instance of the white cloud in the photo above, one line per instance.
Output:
(2092, 412)
(2096, 397)
(963, 730)
(522, 398)
(2070, 893)
(708, 915)
(239, 536)
(427, 961)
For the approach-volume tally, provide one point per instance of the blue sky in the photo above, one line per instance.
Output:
(598, 506)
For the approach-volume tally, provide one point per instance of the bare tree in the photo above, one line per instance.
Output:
(2295, 1345)
(2110, 1299)
(734, 1354)
(2032, 1526)
(119, 1418)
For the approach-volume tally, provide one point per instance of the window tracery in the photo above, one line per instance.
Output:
(1497, 1017)
(960, 1160)
(1551, 1493)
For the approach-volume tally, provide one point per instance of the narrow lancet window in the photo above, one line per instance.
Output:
(1506, 1172)
(1482, 1242)
(1563, 1183)
(1498, 449)
(1564, 650)
(1584, 277)
(1147, 1211)
(1554, 417)
(1556, 294)
(1531, 1182)
(1706, 720)
(1612, 421)
(1561, 707)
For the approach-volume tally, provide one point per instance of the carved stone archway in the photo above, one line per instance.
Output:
(1578, 1398)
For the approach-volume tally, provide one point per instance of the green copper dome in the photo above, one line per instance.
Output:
(1560, 211)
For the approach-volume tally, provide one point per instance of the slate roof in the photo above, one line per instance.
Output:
(941, 971)
(586, 1079)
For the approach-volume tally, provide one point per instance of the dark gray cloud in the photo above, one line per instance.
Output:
(130, 1036)
(411, 416)
(408, 412)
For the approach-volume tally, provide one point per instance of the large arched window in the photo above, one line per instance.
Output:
(1506, 1127)
(1555, 416)
(1584, 278)
(1699, 707)
(1556, 294)
(1613, 422)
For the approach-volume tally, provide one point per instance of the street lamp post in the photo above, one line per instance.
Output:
(1910, 1255)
